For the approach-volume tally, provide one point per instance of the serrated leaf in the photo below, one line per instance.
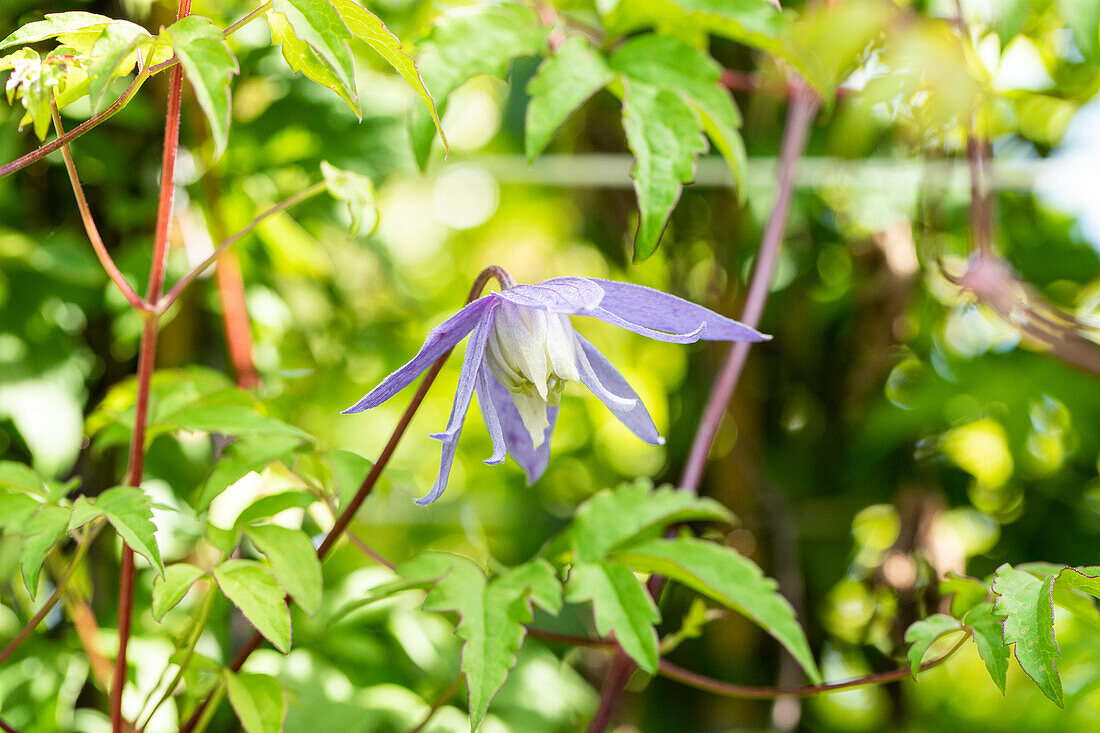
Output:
(258, 701)
(209, 65)
(922, 634)
(989, 636)
(245, 454)
(492, 615)
(173, 586)
(55, 24)
(114, 54)
(672, 65)
(620, 605)
(42, 531)
(665, 139)
(299, 56)
(357, 192)
(726, 576)
(366, 26)
(293, 561)
(563, 83)
(1026, 603)
(254, 591)
(1083, 18)
(634, 512)
(464, 44)
(130, 512)
(318, 24)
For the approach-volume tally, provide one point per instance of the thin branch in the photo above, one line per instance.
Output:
(58, 591)
(172, 295)
(341, 524)
(115, 106)
(441, 699)
(6, 727)
(570, 639)
(367, 550)
(800, 116)
(727, 689)
(135, 300)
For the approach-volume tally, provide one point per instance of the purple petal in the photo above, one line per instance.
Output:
(516, 438)
(559, 295)
(471, 365)
(489, 413)
(676, 338)
(441, 339)
(600, 376)
(652, 309)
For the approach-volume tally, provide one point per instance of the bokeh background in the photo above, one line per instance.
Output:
(893, 430)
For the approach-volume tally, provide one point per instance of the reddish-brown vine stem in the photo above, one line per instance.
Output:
(800, 116)
(365, 489)
(146, 362)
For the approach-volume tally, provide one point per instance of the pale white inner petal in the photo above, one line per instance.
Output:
(533, 353)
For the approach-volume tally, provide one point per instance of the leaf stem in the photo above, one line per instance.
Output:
(440, 700)
(135, 300)
(146, 362)
(193, 723)
(118, 104)
(198, 625)
(58, 591)
(726, 689)
(165, 302)
(800, 116)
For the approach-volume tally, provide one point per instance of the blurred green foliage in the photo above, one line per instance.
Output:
(893, 431)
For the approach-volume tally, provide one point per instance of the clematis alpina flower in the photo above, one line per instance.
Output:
(523, 350)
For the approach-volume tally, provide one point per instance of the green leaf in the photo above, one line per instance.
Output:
(355, 190)
(923, 633)
(293, 561)
(665, 139)
(208, 65)
(130, 512)
(634, 512)
(1083, 18)
(245, 454)
(476, 40)
(492, 614)
(22, 478)
(1026, 603)
(15, 510)
(251, 588)
(348, 471)
(988, 629)
(756, 23)
(258, 701)
(1084, 579)
(268, 506)
(301, 57)
(620, 605)
(672, 65)
(318, 24)
(733, 580)
(173, 586)
(366, 26)
(563, 83)
(41, 533)
(55, 24)
(966, 593)
(230, 419)
(114, 54)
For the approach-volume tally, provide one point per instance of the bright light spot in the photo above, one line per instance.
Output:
(980, 449)
(465, 196)
(412, 235)
(473, 115)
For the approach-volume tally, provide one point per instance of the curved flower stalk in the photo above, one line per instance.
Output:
(523, 350)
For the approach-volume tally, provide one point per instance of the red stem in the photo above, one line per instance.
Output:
(146, 362)
(799, 118)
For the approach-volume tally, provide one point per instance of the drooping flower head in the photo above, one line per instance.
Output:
(523, 350)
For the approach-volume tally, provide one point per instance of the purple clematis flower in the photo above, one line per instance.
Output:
(523, 351)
